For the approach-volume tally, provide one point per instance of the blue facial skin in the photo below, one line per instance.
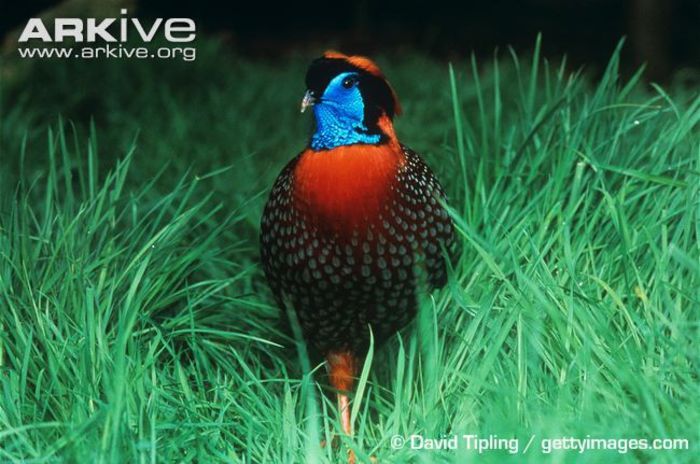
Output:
(340, 115)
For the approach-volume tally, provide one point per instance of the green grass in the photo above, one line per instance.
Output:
(136, 326)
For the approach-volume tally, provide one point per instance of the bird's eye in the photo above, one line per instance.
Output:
(348, 82)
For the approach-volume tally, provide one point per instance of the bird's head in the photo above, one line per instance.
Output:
(352, 100)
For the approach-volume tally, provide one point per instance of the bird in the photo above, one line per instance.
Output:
(354, 224)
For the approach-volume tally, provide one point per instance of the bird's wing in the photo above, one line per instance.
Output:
(435, 237)
(275, 225)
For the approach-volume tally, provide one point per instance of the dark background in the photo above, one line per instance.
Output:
(664, 34)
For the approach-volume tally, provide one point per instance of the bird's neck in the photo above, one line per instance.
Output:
(336, 128)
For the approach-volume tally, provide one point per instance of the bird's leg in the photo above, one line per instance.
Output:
(344, 408)
(342, 366)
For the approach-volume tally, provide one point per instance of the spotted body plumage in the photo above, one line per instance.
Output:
(341, 282)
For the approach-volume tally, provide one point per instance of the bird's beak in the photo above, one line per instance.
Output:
(308, 100)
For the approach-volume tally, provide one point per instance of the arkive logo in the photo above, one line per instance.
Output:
(88, 30)
(90, 38)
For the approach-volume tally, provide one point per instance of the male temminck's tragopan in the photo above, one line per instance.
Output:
(350, 218)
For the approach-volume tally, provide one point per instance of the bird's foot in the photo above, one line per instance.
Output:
(335, 442)
(335, 445)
